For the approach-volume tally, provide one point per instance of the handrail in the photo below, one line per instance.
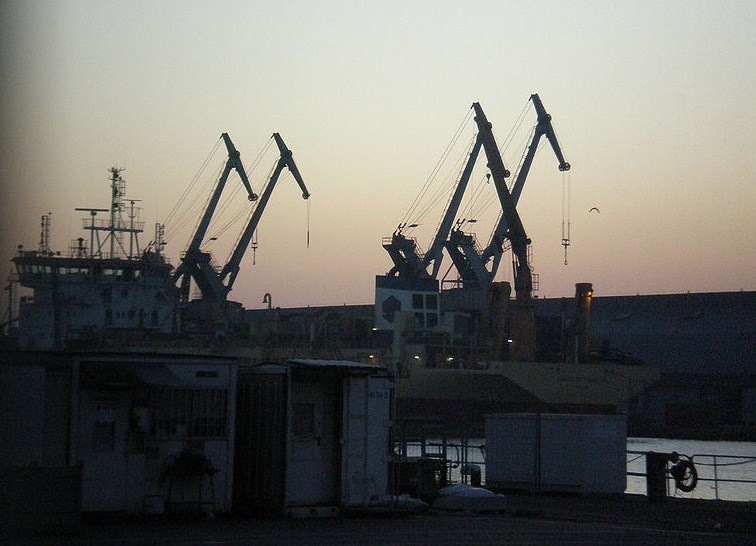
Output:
(738, 460)
(459, 453)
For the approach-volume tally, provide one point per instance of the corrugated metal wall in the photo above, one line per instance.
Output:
(260, 453)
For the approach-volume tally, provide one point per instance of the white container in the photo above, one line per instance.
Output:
(556, 452)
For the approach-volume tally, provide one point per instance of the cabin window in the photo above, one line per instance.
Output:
(431, 320)
(188, 413)
(420, 319)
(417, 301)
(431, 302)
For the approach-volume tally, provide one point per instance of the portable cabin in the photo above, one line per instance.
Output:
(130, 432)
(312, 435)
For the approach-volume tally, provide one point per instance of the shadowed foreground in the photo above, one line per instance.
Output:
(528, 520)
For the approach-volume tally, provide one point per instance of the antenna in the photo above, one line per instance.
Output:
(115, 227)
(44, 239)
(91, 228)
(132, 232)
(159, 238)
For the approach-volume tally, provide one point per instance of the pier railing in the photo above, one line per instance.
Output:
(719, 477)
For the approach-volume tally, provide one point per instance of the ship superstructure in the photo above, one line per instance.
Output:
(105, 283)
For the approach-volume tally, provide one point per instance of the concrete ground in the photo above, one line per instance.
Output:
(529, 519)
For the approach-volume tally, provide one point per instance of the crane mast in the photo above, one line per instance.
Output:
(232, 163)
(435, 253)
(543, 128)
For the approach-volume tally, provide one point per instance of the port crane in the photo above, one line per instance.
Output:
(197, 265)
(404, 252)
(229, 272)
(469, 262)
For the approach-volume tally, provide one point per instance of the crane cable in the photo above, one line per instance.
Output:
(455, 176)
(566, 201)
(413, 207)
(445, 190)
(482, 201)
(190, 187)
(240, 213)
(232, 197)
(193, 210)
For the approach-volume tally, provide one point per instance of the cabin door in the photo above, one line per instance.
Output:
(104, 429)
(312, 475)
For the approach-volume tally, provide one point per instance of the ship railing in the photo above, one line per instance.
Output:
(720, 477)
(106, 225)
(388, 241)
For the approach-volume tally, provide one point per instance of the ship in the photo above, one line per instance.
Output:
(109, 290)
(105, 283)
(477, 345)
(452, 374)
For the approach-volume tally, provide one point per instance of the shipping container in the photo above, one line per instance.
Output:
(556, 452)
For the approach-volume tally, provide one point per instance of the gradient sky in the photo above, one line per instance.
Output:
(654, 104)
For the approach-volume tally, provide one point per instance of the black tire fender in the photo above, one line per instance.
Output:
(685, 475)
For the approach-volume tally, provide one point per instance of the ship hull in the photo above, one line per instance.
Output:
(461, 397)
(529, 382)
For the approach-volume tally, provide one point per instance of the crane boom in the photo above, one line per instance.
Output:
(516, 231)
(195, 263)
(233, 162)
(234, 157)
(403, 250)
(286, 160)
(468, 260)
(543, 128)
(435, 252)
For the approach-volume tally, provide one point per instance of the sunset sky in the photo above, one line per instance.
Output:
(654, 104)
